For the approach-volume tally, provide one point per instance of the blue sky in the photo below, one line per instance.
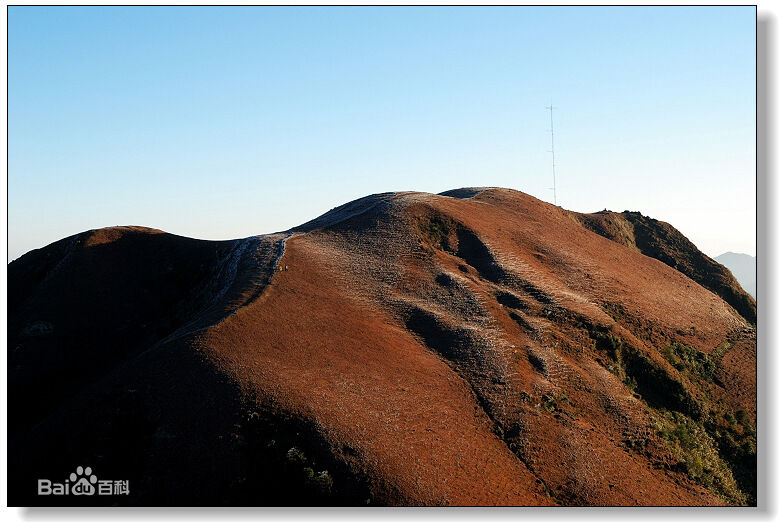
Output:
(220, 123)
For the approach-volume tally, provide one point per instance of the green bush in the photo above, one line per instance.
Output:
(698, 452)
(685, 358)
(435, 232)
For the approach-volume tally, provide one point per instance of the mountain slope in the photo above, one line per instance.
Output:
(663, 242)
(478, 347)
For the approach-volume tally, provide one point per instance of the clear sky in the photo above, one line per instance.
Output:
(220, 123)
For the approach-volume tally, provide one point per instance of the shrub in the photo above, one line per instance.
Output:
(434, 232)
(324, 482)
(294, 455)
(690, 443)
(685, 358)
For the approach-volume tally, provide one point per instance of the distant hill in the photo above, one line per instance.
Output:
(743, 267)
(475, 347)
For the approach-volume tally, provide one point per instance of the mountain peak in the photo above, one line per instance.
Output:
(328, 364)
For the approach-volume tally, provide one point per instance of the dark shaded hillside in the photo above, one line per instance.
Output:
(663, 242)
(87, 303)
(103, 373)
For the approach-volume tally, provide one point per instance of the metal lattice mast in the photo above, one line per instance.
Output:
(554, 175)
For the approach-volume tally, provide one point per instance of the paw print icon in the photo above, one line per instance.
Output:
(83, 481)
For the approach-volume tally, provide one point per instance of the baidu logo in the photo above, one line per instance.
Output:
(83, 482)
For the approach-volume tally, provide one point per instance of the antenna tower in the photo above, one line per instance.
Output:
(551, 129)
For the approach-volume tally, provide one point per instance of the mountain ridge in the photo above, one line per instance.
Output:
(662, 241)
(373, 328)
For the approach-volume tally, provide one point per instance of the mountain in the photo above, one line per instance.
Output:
(477, 347)
(663, 242)
(743, 267)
